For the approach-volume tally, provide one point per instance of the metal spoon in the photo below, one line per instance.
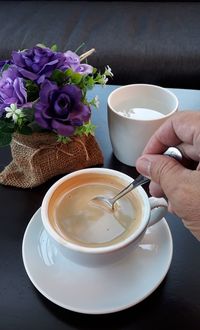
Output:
(140, 180)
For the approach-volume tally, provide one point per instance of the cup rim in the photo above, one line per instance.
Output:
(116, 90)
(95, 250)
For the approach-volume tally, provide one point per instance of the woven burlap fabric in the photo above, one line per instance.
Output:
(39, 157)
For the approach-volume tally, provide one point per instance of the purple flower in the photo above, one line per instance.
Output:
(72, 61)
(12, 89)
(60, 108)
(2, 63)
(71, 58)
(37, 63)
(83, 69)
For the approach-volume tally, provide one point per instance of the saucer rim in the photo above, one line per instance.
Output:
(93, 311)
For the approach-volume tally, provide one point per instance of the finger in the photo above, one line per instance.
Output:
(162, 170)
(182, 127)
(159, 142)
(170, 208)
(188, 151)
(155, 189)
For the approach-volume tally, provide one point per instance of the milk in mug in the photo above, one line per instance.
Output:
(141, 113)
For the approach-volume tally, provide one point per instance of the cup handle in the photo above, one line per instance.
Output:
(158, 207)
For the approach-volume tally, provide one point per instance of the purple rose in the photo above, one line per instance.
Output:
(60, 108)
(72, 61)
(37, 63)
(12, 89)
(2, 63)
(71, 58)
(83, 68)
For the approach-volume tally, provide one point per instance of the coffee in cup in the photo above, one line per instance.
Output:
(79, 219)
(91, 234)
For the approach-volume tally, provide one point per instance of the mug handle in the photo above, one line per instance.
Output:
(159, 208)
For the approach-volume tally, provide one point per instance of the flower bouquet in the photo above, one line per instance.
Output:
(45, 114)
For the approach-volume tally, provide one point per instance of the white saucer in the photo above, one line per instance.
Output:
(101, 290)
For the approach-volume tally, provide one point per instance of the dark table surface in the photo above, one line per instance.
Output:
(174, 304)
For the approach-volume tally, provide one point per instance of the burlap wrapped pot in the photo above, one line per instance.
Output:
(39, 157)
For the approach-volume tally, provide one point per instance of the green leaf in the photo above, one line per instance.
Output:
(54, 48)
(87, 128)
(5, 67)
(69, 72)
(10, 125)
(6, 126)
(90, 82)
(28, 114)
(41, 45)
(2, 124)
(5, 139)
(63, 139)
(25, 130)
(35, 127)
(76, 78)
(32, 90)
(8, 129)
(59, 77)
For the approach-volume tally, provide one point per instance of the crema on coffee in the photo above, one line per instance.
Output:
(80, 220)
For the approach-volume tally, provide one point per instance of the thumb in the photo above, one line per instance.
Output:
(163, 170)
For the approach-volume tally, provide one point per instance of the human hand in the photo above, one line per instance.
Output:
(179, 184)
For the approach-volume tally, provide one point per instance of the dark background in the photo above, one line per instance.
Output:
(150, 42)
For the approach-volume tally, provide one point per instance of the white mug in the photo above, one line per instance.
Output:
(134, 113)
(151, 211)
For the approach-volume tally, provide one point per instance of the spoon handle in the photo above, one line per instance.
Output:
(140, 180)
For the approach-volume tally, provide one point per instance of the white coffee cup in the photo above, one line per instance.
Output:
(150, 211)
(134, 113)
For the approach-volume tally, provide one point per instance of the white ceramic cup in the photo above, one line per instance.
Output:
(153, 210)
(130, 122)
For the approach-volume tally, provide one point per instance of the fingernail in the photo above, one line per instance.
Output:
(144, 166)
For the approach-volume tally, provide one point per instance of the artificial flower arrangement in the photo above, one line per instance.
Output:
(43, 95)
